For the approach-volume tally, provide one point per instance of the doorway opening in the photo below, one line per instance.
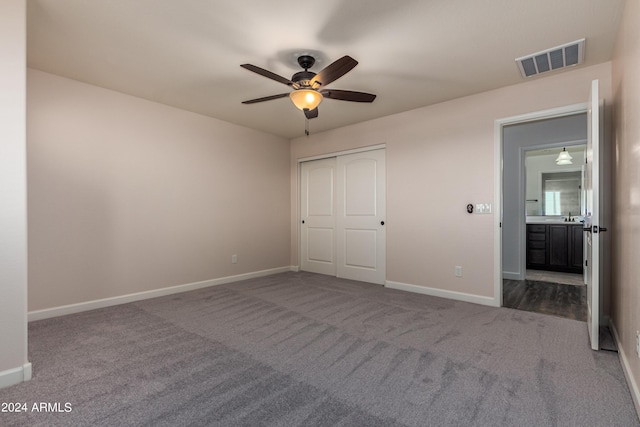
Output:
(554, 201)
(540, 270)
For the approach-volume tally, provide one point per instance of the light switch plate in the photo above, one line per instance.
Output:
(483, 208)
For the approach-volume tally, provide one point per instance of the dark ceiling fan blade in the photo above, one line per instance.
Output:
(266, 98)
(311, 114)
(334, 71)
(268, 74)
(348, 95)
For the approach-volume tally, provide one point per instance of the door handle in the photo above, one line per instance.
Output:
(303, 221)
(381, 222)
(595, 229)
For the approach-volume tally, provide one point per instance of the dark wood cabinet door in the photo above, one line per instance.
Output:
(558, 245)
(536, 258)
(576, 247)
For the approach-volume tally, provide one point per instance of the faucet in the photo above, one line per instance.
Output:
(569, 219)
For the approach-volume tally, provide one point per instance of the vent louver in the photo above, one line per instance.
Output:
(552, 59)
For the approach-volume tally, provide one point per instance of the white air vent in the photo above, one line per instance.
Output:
(552, 59)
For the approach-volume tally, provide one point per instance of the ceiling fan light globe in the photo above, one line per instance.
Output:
(305, 99)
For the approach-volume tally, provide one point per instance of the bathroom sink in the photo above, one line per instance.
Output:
(554, 220)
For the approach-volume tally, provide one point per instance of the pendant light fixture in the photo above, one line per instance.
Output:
(564, 158)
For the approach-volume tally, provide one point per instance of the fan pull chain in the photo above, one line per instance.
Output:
(306, 126)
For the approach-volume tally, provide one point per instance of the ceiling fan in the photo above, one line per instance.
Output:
(308, 87)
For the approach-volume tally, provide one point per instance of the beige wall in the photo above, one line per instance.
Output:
(13, 208)
(439, 158)
(626, 219)
(126, 195)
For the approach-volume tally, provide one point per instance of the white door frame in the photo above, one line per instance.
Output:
(299, 189)
(499, 124)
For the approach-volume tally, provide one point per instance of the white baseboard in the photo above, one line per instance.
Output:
(624, 361)
(123, 299)
(511, 275)
(459, 296)
(15, 376)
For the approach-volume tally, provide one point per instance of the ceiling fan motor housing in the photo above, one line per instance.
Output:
(303, 77)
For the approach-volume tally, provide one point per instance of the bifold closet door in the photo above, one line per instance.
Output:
(317, 211)
(361, 211)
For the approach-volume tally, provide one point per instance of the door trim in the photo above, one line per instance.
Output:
(342, 153)
(499, 124)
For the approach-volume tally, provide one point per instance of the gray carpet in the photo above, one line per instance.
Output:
(300, 349)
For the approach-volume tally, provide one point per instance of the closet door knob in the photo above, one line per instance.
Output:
(381, 222)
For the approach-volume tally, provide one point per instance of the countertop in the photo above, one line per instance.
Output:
(553, 220)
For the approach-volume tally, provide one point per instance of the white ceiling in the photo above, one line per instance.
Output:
(412, 53)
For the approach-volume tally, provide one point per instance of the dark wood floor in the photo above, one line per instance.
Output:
(557, 299)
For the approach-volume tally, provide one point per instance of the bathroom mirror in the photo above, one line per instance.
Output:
(561, 193)
(552, 189)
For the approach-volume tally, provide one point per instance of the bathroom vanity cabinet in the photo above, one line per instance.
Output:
(555, 247)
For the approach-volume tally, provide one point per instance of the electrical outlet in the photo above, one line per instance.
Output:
(457, 271)
(638, 343)
(234, 259)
